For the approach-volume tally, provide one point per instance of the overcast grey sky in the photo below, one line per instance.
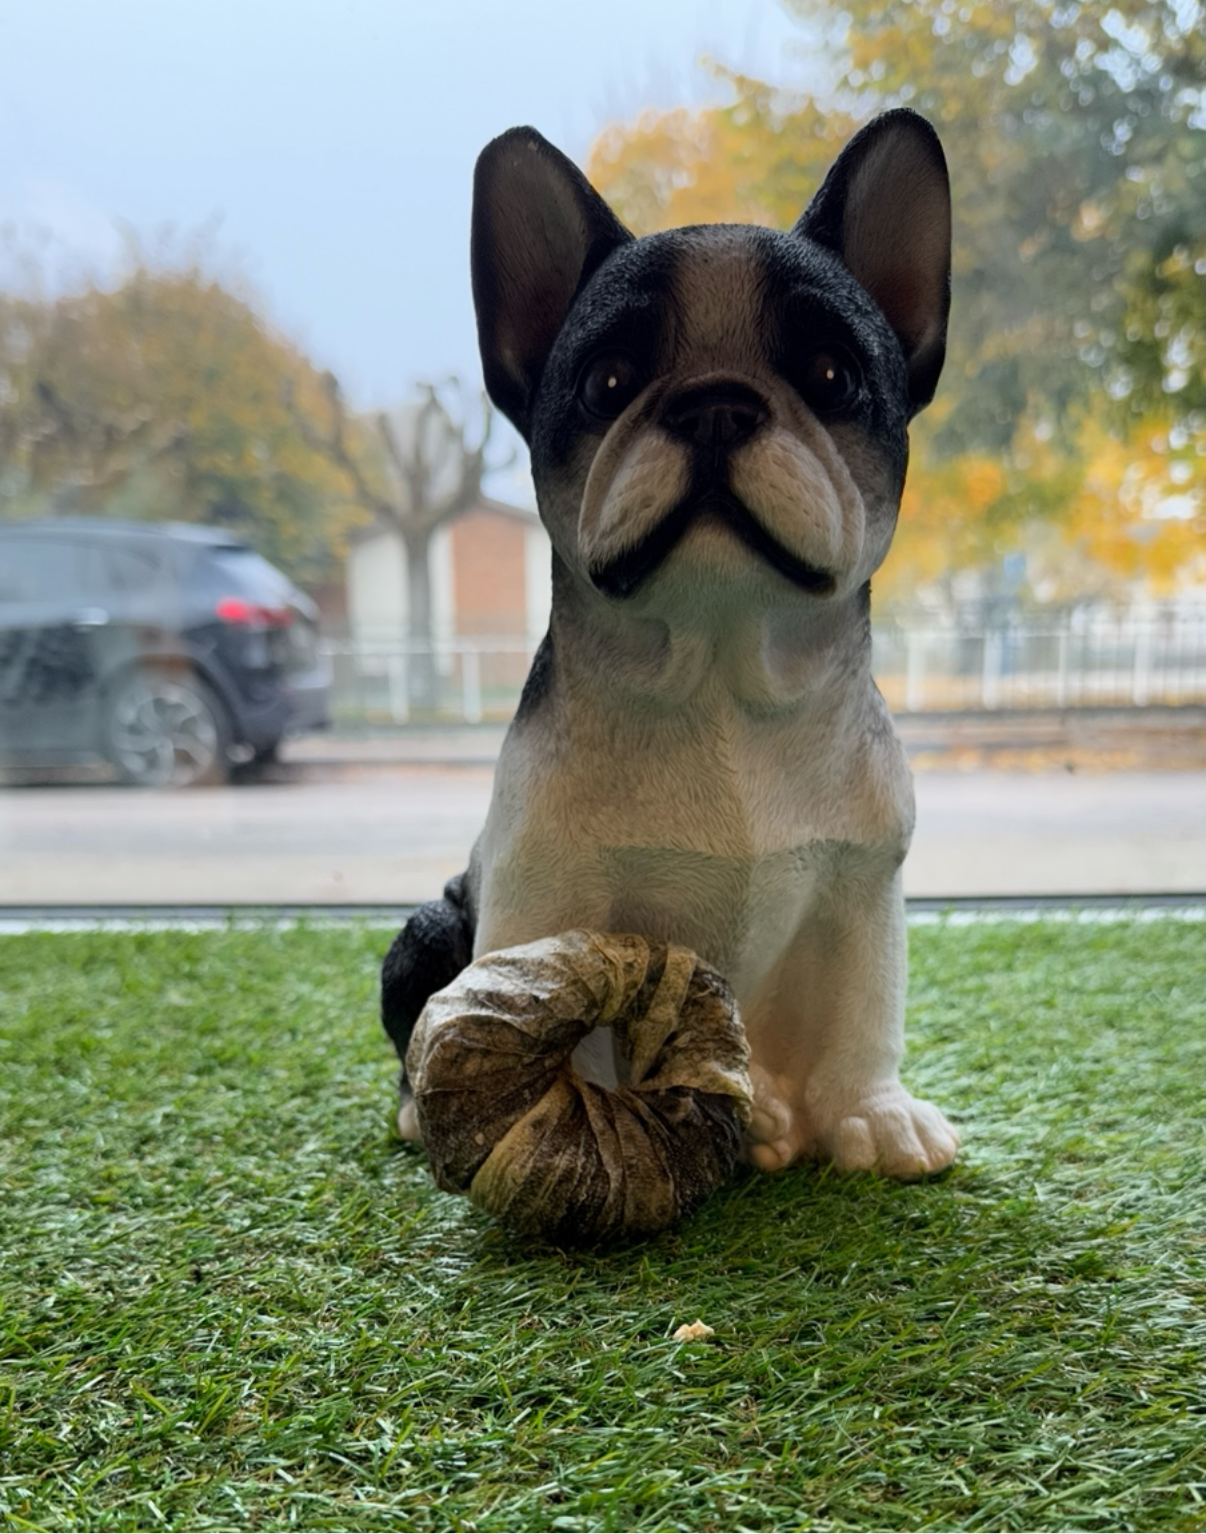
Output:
(334, 139)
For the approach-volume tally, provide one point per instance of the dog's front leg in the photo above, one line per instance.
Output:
(827, 1044)
(428, 954)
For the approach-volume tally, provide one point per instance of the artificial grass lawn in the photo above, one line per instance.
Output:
(231, 1299)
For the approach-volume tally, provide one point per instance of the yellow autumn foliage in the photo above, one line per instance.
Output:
(1094, 510)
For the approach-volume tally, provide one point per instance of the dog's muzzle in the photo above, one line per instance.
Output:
(712, 420)
(623, 574)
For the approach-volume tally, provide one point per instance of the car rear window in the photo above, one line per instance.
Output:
(120, 570)
(242, 572)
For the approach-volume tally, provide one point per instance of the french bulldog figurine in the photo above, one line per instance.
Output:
(718, 423)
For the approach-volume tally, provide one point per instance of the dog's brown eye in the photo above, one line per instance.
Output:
(608, 385)
(830, 380)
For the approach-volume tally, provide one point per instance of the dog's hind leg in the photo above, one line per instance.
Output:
(428, 954)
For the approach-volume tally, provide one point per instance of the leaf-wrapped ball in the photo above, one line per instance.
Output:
(508, 1120)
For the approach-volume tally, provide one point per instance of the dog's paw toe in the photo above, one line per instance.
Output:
(770, 1155)
(893, 1133)
(408, 1121)
(770, 1145)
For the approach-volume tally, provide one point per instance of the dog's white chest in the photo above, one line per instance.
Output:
(701, 829)
(743, 911)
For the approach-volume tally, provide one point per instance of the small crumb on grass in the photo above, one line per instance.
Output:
(693, 1331)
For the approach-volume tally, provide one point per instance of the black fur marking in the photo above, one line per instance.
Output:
(916, 295)
(809, 301)
(429, 953)
(623, 307)
(539, 231)
(539, 681)
(623, 575)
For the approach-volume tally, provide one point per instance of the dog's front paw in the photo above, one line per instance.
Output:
(890, 1132)
(408, 1119)
(769, 1143)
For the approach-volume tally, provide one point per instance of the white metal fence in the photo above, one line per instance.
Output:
(1057, 660)
(476, 679)
(1036, 660)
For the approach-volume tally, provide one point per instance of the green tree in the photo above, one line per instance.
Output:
(1076, 134)
(164, 397)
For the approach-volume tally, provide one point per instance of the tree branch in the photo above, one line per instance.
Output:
(334, 446)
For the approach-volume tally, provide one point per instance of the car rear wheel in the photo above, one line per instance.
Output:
(166, 731)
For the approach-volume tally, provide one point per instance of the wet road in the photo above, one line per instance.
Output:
(392, 835)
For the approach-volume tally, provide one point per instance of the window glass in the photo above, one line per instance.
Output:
(124, 571)
(36, 570)
(243, 572)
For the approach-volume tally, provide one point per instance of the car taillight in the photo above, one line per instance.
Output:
(245, 614)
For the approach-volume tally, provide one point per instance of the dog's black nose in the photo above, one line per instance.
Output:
(714, 415)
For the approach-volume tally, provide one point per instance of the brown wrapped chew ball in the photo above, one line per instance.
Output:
(507, 1119)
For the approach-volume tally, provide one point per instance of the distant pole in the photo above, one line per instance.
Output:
(1061, 676)
(1141, 676)
(914, 671)
(992, 668)
(471, 684)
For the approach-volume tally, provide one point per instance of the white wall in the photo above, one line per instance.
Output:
(538, 579)
(376, 576)
(443, 602)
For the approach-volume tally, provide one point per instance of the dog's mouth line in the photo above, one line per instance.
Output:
(624, 573)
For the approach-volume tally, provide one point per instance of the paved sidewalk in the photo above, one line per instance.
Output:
(1056, 833)
(1150, 739)
(467, 745)
(390, 835)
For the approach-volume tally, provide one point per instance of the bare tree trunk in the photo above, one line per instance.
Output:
(421, 689)
(433, 475)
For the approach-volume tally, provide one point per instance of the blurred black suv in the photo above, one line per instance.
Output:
(171, 651)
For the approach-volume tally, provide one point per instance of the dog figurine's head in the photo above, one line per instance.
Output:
(720, 406)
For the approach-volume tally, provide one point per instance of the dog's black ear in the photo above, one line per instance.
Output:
(885, 208)
(539, 230)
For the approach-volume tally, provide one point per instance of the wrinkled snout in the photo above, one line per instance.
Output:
(720, 415)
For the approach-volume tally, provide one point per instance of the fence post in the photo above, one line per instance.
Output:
(399, 688)
(914, 671)
(1141, 676)
(471, 685)
(1061, 675)
(992, 668)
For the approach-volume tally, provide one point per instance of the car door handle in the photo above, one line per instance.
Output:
(89, 618)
